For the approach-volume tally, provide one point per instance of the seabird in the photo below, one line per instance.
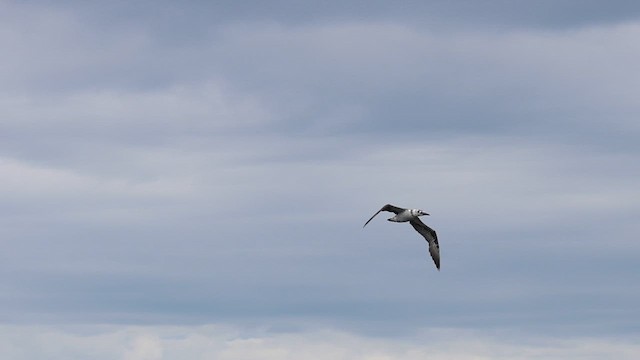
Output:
(411, 215)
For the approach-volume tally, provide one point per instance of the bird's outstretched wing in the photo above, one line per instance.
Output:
(430, 235)
(394, 209)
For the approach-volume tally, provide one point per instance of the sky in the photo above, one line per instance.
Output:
(190, 180)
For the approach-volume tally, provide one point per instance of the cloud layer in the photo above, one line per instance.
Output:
(214, 164)
(215, 342)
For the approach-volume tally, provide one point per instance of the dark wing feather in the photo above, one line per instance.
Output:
(430, 235)
(394, 209)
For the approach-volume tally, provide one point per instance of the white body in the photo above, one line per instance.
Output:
(406, 215)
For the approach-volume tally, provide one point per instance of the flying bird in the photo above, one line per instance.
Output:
(412, 216)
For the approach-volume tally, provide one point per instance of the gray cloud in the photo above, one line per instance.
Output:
(221, 171)
(189, 260)
(192, 17)
(353, 76)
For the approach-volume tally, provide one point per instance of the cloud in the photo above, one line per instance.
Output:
(403, 79)
(222, 170)
(360, 76)
(166, 16)
(223, 342)
(523, 209)
(144, 347)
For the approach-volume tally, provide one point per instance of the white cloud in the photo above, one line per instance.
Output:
(144, 347)
(228, 343)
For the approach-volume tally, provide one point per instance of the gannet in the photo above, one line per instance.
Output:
(411, 215)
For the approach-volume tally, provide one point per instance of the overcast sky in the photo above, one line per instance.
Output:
(189, 180)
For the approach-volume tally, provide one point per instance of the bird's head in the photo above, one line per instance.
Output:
(418, 212)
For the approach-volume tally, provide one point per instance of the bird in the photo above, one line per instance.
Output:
(412, 216)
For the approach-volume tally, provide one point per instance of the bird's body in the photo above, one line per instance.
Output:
(406, 215)
(412, 216)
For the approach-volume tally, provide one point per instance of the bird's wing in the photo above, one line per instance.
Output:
(430, 235)
(394, 209)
